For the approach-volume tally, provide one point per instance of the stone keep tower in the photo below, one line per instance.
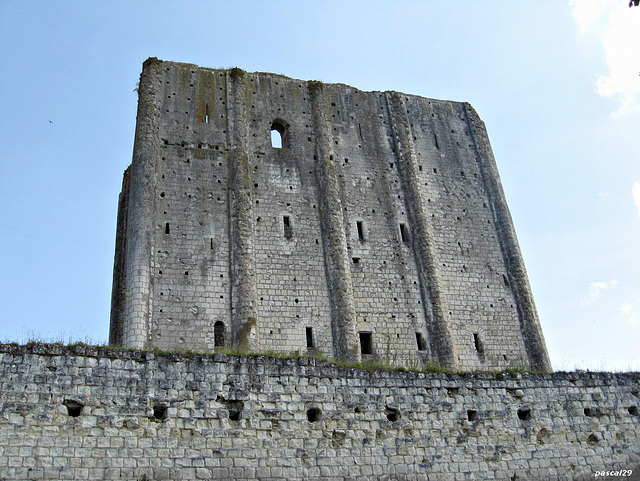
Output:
(377, 229)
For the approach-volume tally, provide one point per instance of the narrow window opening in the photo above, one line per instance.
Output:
(478, 344)
(404, 234)
(309, 331)
(435, 138)
(505, 280)
(524, 414)
(472, 415)
(420, 342)
(276, 139)
(160, 413)
(366, 346)
(218, 334)
(212, 243)
(360, 230)
(278, 134)
(206, 113)
(288, 232)
(314, 415)
(167, 230)
(74, 408)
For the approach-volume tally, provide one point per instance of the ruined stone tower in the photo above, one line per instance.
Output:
(376, 229)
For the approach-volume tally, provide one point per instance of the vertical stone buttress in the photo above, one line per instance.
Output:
(241, 265)
(139, 231)
(518, 280)
(441, 342)
(334, 241)
(119, 264)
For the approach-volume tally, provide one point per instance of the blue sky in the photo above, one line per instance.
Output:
(557, 83)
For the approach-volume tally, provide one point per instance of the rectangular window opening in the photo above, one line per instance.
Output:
(218, 334)
(206, 114)
(366, 346)
(404, 235)
(356, 260)
(360, 230)
(478, 344)
(420, 341)
(310, 342)
(286, 221)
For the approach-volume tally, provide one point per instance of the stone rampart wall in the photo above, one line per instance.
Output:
(86, 414)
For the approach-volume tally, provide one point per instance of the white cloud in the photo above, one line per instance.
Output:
(595, 291)
(635, 191)
(588, 12)
(630, 313)
(617, 27)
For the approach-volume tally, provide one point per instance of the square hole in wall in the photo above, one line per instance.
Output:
(159, 412)
(524, 414)
(314, 414)
(74, 408)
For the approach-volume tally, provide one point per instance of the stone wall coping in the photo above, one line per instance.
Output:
(295, 363)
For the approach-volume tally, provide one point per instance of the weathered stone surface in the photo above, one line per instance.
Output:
(378, 229)
(231, 417)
